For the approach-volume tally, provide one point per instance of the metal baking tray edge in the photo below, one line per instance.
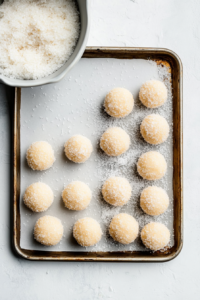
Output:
(161, 56)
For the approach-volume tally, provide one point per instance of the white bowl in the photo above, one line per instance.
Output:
(74, 58)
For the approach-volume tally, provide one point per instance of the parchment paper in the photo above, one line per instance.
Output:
(54, 113)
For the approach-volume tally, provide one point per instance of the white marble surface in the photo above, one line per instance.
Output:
(173, 24)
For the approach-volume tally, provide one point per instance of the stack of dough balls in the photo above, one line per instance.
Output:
(48, 230)
(124, 228)
(155, 236)
(119, 103)
(153, 93)
(40, 156)
(38, 197)
(154, 200)
(115, 141)
(154, 129)
(77, 195)
(87, 232)
(78, 148)
(116, 191)
(152, 165)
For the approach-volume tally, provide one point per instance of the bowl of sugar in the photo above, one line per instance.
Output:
(41, 41)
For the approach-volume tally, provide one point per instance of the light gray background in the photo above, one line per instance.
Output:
(173, 24)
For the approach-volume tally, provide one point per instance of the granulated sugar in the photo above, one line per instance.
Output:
(37, 36)
(75, 106)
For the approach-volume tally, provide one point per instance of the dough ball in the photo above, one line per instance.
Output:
(154, 129)
(124, 228)
(40, 156)
(154, 201)
(78, 148)
(119, 103)
(77, 195)
(152, 165)
(38, 197)
(155, 236)
(48, 231)
(87, 232)
(115, 141)
(116, 191)
(153, 93)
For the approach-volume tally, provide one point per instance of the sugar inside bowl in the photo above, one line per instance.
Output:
(40, 41)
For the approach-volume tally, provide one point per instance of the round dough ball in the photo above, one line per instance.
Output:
(77, 195)
(38, 197)
(115, 141)
(155, 236)
(154, 129)
(124, 228)
(87, 232)
(48, 231)
(152, 165)
(154, 200)
(119, 103)
(78, 148)
(40, 156)
(153, 93)
(116, 191)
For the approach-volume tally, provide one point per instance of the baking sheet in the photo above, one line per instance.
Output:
(74, 106)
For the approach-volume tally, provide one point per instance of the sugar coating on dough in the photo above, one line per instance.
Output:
(155, 236)
(124, 228)
(152, 165)
(87, 232)
(78, 148)
(48, 230)
(77, 195)
(154, 129)
(40, 156)
(154, 200)
(119, 103)
(115, 141)
(153, 93)
(116, 191)
(38, 197)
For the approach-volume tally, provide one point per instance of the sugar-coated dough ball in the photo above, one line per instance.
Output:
(38, 197)
(152, 165)
(77, 195)
(154, 129)
(116, 191)
(115, 141)
(119, 103)
(124, 228)
(87, 232)
(155, 236)
(78, 148)
(153, 93)
(40, 156)
(48, 230)
(154, 200)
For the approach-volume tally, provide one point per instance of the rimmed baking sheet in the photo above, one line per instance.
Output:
(74, 106)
